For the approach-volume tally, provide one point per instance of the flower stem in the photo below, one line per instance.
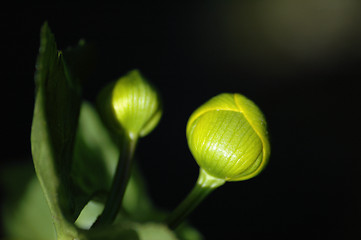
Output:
(204, 186)
(120, 181)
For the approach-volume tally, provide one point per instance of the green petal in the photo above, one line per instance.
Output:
(224, 101)
(256, 118)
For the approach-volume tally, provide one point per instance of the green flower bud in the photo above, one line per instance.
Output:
(228, 137)
(130, 104)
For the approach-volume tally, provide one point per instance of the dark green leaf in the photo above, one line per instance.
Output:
(54, 125)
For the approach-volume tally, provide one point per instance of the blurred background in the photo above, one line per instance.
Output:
(299, 61)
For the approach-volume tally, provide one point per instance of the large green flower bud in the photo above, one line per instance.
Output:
(132, 104)
(228, 137)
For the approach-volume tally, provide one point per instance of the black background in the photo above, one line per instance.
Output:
(304, 76)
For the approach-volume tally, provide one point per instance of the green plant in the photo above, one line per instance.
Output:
(83, 156)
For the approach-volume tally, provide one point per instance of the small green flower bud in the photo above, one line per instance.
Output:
(228, 137)
(132, 104)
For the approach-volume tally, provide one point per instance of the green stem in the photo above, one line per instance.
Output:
(120, 182)
(204, 186)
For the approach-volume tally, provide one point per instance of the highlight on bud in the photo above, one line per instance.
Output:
(130, 104)
(228, 137)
